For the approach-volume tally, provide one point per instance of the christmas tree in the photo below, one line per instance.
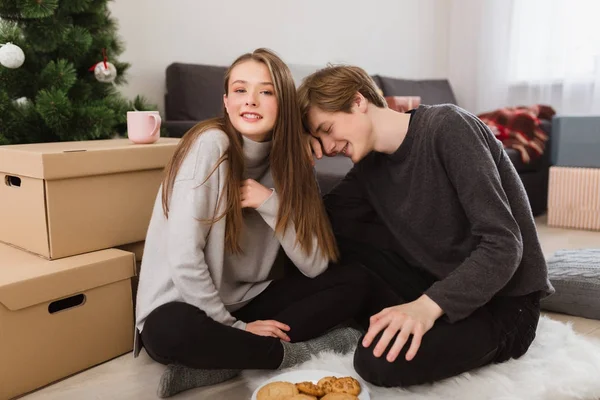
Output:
(59, 72)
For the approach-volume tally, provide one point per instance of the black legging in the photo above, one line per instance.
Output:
(183, 334)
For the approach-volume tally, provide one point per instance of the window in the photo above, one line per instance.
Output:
(555, 40)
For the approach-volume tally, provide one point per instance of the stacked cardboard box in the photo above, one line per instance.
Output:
(137, 249)
(66, 299)
(574, 186)
(574, 198)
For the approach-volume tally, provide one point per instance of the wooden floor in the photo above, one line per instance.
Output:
(129, 378)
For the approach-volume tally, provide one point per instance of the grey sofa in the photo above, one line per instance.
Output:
(195, 92)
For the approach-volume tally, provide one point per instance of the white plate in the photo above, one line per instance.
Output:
(313, 375)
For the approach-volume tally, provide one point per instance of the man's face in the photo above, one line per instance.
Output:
(340, 132)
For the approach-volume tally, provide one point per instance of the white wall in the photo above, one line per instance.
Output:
(399, 38)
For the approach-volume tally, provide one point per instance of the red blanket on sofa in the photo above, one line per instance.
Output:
(519, 128)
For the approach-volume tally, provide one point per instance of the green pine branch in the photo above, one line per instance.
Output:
(93, 121)
(37, 8)
(10, 32)
(55, 108)
(75, 6)
(122, 68)
(17, 82)
(58, 75)
(9, 10)
(45, 35)
(76, 42)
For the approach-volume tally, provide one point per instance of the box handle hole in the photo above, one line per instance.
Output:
(65, 304)
(13, 181)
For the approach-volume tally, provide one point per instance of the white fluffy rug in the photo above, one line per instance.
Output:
(560, 364)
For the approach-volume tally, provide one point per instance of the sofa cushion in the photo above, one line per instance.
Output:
(177, 129)
(331, 170)
(194, 91)
(521, 166)
(377, 80)
(575, 275)
(576, 141)
(433, 91)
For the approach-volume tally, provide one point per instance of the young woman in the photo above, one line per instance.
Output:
(435, 208)
(239, 205)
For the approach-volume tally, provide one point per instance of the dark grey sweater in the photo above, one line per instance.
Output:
(449, 201)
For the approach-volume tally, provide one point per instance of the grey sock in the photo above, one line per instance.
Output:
(178, 378)
(340, 340)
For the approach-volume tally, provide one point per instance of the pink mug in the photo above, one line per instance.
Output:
(143, 127)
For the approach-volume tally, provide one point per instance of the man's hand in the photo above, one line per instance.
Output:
(317, 149)
(253, 194)
(314, 147)
(269, 328)
(414, 318)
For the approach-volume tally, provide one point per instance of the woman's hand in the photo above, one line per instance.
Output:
(414, 318)
(269, 328)
(253, 194)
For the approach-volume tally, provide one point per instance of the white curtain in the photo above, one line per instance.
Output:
(522, 52)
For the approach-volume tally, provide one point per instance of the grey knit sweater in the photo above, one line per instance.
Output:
(449, 201)
(185, 259)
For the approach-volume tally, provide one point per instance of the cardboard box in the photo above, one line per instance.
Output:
(61, 317)
(136, 248)
(574, 198)
(63, 199)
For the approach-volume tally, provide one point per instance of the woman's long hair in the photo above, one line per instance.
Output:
(299, 199)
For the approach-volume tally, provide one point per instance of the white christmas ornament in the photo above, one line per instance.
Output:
(106, 73)
(11, 56)
(22, 101)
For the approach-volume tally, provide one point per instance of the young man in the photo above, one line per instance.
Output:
(435, 209)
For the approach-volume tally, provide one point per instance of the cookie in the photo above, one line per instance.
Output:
(347, 385)
(301, 396)
(310, 388)
(277, 391)
(339, 396)
(325, 383)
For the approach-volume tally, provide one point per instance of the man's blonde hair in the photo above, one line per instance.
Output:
(332, 89)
